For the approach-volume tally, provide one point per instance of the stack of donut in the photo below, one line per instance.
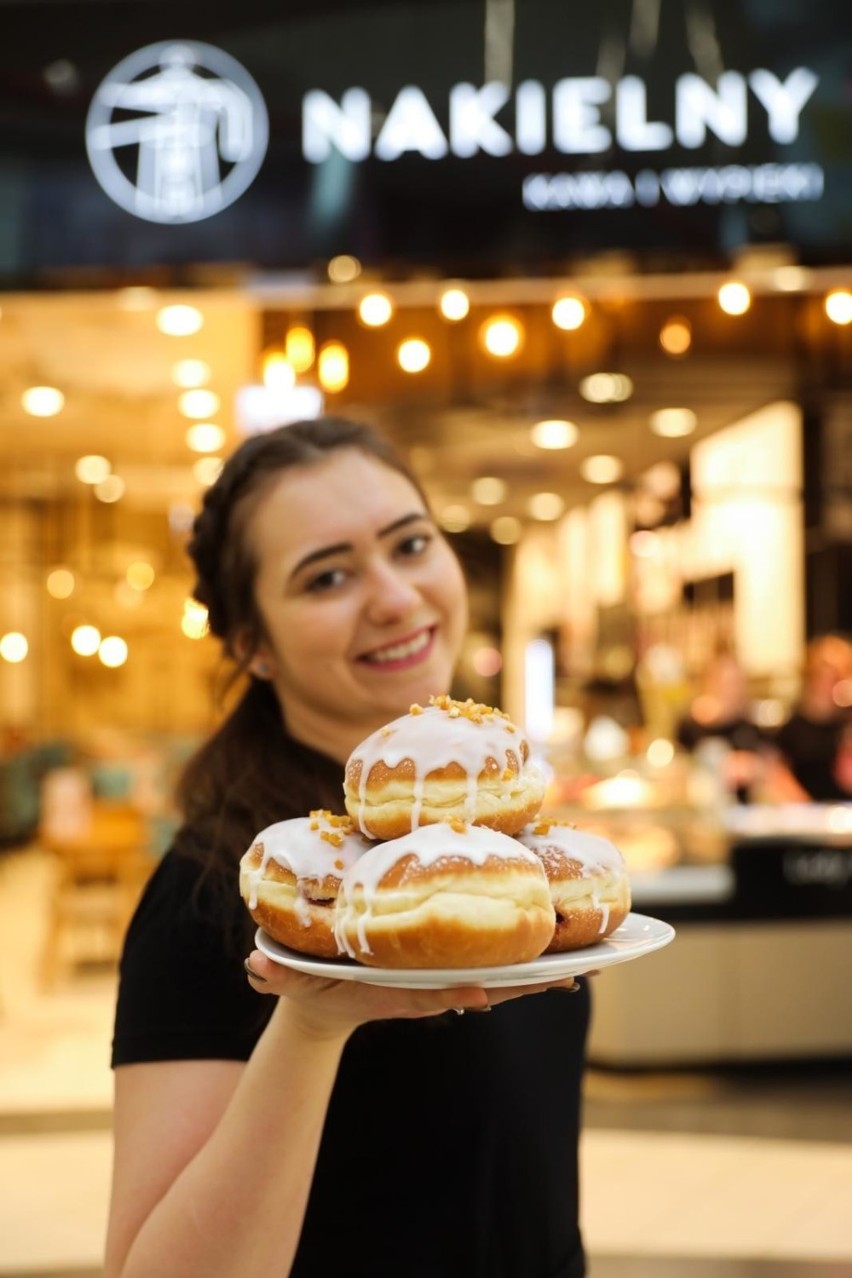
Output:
(441, 862)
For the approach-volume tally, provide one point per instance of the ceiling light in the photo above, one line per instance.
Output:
(92, 469)
(60, 583)
(602, 468)
(139, 575)
(734, 298)
(179, 321)
(333, 366)
(488, 490)
(454, 304)
(198, 403)
(506, 530)
(43, 401)
(413, 355)
(568, 312)
(606, 388)
(454, 518)
(676, 336)
(205, 437)
(299, 347)
(112, 651)
(110, 489)
(14, 647)
(375, 309)
(501, 336)
(343, 269)
(838, 306)
(207, 470)
(545, 506)
(554, 433)
(672, 423)
(85, 640)
(189, 373)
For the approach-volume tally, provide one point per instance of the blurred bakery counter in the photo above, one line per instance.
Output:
(761, 899)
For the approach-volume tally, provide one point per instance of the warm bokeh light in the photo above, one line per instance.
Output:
(179, 321)
(454, 304)
(734, 298)
(207, 470)
(545, 506)
(601, 468)
(676, 335)
(198, 403)
(488, 490)
(189, 373)
(487, 662)
(606, 388)
(660, 753)
(42, 401)
(506, 530)
(60, 583)
(662, 479)
(92, 469)
(790, 279)
(14, 647)
(136, 298)
(140, 574)
(193, 623)
(501, 336)
(278, 373)
(112, 651)
(672, 423)
(343, 269)
(333, 366)
(454, 518)
(554, 433)
(838, 306)
(375, 309)
(205, 437)
(300, 348)
(644, 544)
(413, 355)
(569, 312)
(85, 640)
(110, 489)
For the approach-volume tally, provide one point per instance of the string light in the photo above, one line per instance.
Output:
(300, 348)
(569, 312)
(554, 433)
(14, 647)
(42, 401)
(454, 304)
(278, 373)
(676, 336)
(375, 309)
(333, 366)
(92, 468)
(179, 321)
(734, 298)
(413, 355)
(501, 336)
(112, 651)
(189, 373)
(838, 306)
(602, 468)
(198, 403)
(85, 640)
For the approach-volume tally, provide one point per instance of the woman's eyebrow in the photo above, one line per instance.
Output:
(341, 547)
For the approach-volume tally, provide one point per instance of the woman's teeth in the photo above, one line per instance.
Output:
(399, 651)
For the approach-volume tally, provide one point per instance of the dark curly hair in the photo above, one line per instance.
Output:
(251, 772)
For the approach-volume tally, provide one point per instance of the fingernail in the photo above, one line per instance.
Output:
(481, 1009)
(255, 976)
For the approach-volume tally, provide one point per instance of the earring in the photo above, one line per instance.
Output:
(262, 669)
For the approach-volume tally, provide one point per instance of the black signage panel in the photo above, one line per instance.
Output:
(470, 137)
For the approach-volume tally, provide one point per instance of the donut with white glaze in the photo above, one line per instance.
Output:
(589, 883)
(290, 877)
(449, 760)
(445, 896)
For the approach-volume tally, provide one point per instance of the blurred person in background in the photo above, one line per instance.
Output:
(814, 746)
(719, 713)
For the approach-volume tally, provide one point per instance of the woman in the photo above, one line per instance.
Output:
(328, 1126)
(815, 743)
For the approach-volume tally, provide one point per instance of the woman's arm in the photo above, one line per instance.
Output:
(214, 1159)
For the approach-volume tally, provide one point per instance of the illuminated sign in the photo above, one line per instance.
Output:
(176, 132)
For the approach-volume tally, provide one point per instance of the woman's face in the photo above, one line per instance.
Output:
(363, 603)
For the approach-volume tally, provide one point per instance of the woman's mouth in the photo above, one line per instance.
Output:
(403, 653)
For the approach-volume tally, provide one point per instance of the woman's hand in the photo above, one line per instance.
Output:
(323, 1008)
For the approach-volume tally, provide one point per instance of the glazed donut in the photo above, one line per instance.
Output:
(588, 881)
(445, 896)
(290, 876)
(448, 760)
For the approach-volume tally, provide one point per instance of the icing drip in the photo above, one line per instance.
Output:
(313, 847)
(429, 843)
(554, 838)
(432, 737)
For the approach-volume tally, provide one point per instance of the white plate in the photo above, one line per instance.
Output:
(637, 935)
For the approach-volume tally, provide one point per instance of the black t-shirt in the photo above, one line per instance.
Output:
(739, 733)
(810, 748)
(450, 1143)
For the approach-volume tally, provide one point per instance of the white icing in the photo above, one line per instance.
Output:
(428, 844)
(298, 845)
(432, 739)
(590, 850)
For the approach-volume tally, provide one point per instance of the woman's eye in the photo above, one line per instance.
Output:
(415, 544)
(326, 580)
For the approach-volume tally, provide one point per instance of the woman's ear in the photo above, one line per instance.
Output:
(259, 663)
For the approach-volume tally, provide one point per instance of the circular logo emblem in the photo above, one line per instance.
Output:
(176, 132)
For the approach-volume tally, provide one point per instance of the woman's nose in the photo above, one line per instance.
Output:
(392, 594)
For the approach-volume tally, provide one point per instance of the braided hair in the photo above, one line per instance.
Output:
(251, 772)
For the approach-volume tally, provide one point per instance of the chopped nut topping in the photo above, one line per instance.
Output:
(415, 709)
(469, 709)
(458, 825)
(332, 837)
(338, 865)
